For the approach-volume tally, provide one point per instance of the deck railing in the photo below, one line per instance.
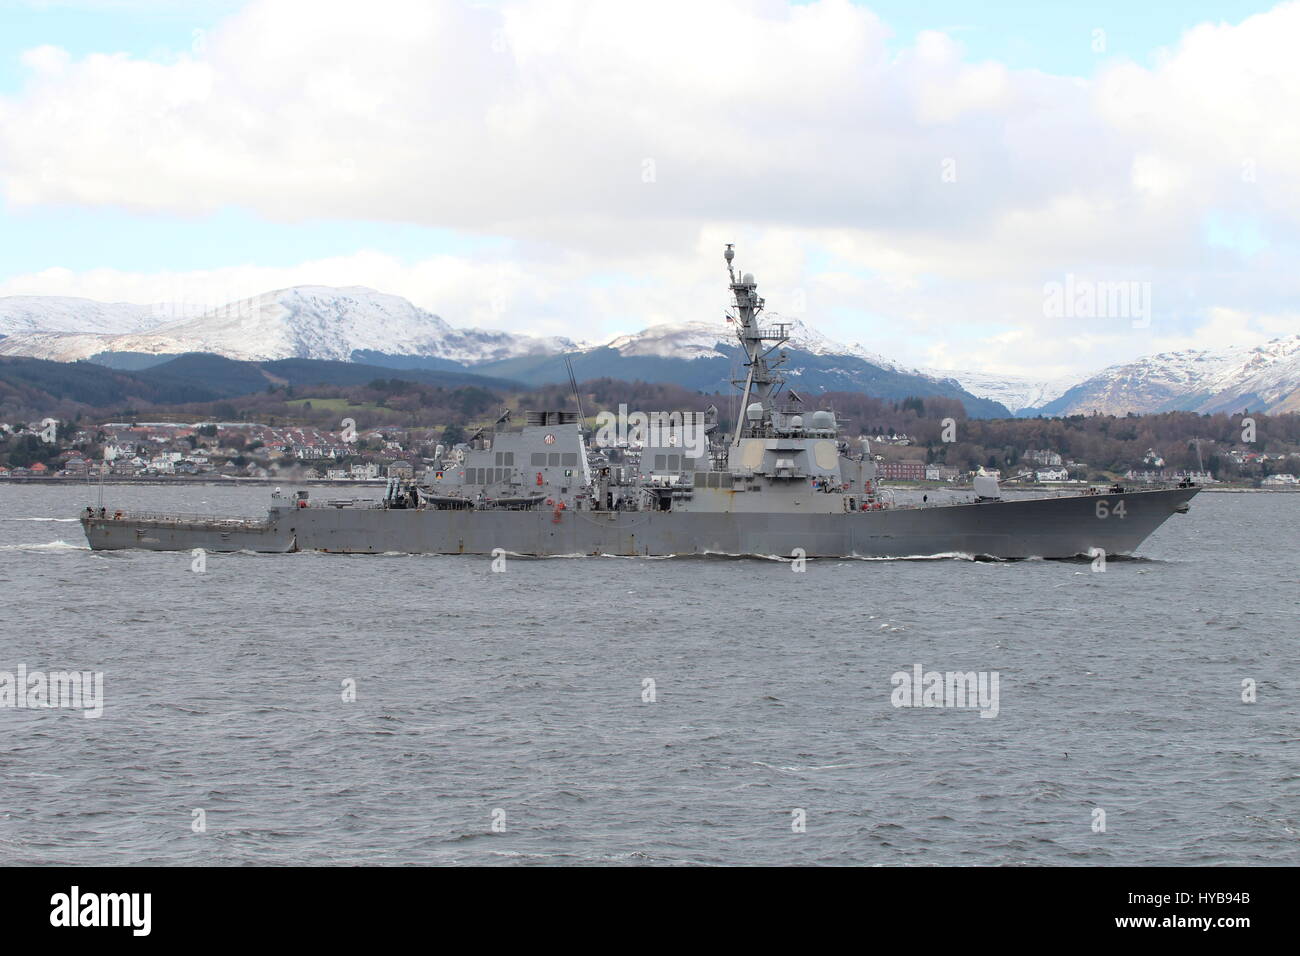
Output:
(178, 518)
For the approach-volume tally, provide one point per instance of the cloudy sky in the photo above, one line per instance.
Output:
(912, 176)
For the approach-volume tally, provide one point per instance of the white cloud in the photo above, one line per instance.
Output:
(944, 193)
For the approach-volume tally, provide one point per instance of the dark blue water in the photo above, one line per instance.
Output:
(521, 692)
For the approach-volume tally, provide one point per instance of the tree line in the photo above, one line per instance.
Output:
(938, 429)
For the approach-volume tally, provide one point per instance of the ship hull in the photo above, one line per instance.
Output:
(1044, 527)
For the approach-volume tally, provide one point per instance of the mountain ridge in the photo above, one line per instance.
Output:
(1264, 377)
(359, 324)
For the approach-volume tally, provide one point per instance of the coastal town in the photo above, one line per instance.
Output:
(1045, 467)
(214, 450)
(161, 451)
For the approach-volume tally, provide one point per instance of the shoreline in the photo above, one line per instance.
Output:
(207, 480)
(196, 480)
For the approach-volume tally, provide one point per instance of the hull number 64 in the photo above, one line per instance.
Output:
(1104, 510)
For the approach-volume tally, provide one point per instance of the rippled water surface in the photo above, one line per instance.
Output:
(520, 694)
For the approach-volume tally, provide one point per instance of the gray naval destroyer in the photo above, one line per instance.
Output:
(781, 483)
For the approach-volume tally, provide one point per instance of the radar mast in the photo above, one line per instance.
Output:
(762, 380)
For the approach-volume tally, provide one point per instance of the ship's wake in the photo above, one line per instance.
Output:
(48, 546)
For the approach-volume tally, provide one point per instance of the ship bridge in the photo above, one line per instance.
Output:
(547, 457)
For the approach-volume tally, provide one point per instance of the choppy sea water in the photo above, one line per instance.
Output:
(519, 698)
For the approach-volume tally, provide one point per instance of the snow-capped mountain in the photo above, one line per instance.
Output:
(1265, 378)
(699, 340)
(706, 357)
(20, 314)
(690, 341)
(810, 340)
(696, 340)
(1013, 391)
(316, 322)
